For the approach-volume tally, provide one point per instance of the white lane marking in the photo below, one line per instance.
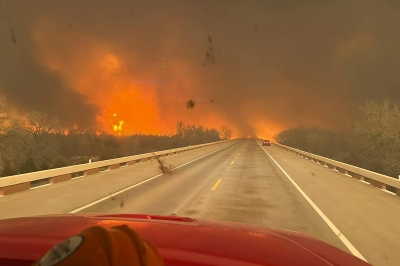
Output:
(323, 216)
(140, 183)
(114, 194)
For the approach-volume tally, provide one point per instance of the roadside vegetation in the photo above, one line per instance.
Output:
(36, 142)
(373, 143)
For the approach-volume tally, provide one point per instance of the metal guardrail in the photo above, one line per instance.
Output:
(383, 182)
(17, 183)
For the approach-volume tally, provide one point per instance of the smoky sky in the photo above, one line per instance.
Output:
(26, 83)
(276, 63)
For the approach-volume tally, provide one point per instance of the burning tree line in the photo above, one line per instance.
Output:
(36, 142)
(373, 143)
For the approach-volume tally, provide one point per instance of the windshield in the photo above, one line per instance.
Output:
(154, 107)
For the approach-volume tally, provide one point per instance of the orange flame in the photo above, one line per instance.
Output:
(117, 124)
(112, 83)
(118, 128)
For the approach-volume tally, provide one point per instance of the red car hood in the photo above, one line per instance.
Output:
(180, 240)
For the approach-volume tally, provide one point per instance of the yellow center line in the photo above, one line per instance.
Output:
(232, 161)
(216, 184)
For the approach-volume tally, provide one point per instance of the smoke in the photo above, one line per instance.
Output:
(257, 66)
(28, 84)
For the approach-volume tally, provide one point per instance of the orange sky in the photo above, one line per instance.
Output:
(274, 65)
(104, 77)
(145, 106)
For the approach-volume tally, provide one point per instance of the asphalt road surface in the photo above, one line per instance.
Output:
(237, 181)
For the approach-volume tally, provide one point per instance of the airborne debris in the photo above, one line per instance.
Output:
(13, 36)
(312, 174)
(210, 57)
(122, 204)
(164, 168)
(190, 104)
(211, 100)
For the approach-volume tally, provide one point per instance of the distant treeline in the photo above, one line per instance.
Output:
(39, 145)
(373, 143)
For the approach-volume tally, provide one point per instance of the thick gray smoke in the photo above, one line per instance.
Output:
(27, 84)
(265, 65)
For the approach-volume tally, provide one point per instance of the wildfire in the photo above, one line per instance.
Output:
(115, 83)
(117, 124)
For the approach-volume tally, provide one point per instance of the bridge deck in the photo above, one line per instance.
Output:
(238, 182)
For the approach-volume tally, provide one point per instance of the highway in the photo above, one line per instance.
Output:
(236, 181)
